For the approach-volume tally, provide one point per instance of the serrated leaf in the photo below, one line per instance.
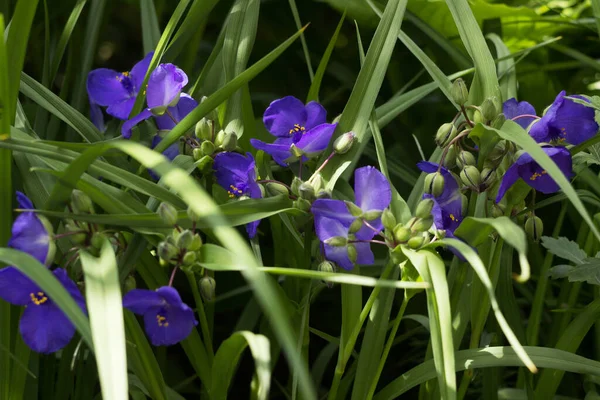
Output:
(588, 271)
(564, 248)
(560, 271)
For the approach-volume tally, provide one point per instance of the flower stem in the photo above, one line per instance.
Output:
(464, 111)
(171, 116)
(202, 315)
(67, 234)
(322, 166)
(368, 241)
(173, 275)
(525, 116)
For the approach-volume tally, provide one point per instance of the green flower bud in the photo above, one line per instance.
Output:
(302, 204)
(189, 258)
(306, 191)
(219, 138)
(424, 208)
(416, 242)
(422, 224)
(402, 233)
(488, 177)
(464, 204)
(324, 194)
(185, 239)
(205, 165)
(445, 134)
(434, 184)
(336, 241)
(498, 151)
(471, 177)
(197, 153)
(317, 182)
(478, 117)
(356, 225)
(208, 287)
(352, 253)
(129, 284)
(353, 209)
(459, 91)
(498, 121)
(497, 211)
(207, 148)
(450, 159)
(490, 108)
(78, 238)
(388, 219)
(344, 143)
(204, 129)
(196, 243)
(167, 213)
(97, 240)
(371, 215)
(277, 189)
(229, 141)
(327, 267)
(465, 158)
(296, 186)
(534, 227)
(81, 202)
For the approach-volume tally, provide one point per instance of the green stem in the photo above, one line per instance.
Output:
(202, 315)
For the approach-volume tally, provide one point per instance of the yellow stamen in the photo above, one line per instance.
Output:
(38, 298)
(161, 320)
(536, 175)
(297, 128)
(452, 217)
(234, 191)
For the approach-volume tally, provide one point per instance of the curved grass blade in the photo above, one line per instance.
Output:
(150, 28)
(196, 15)
(506, 68)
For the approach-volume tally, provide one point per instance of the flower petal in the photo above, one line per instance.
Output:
(338, 255)
(45, 328)
(279, 150)
(575, 122)
(121, 109)
(533, 174)
(185, 106)
(128, 125)
(140, 301)
(138, 72)
(15, 287)
(164, 85)
(70, 286)
(315, 115)
(371, 189)
(105, 87)
(364, 255)
(327, 210)
(510, 177)
(29, 233)
(170, 325)
(513, 108)
(314, 141)
(97, 117)
(231, 171)
(282, 114)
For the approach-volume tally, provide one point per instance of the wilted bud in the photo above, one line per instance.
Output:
(353, 209)
(460, 93)
(207, 148)
(434, 184)
(490, 108)
(416, 242)
(204, 129)
(534, 227)
(450, 159)
(302, 204)
(208, 287)
(388, 219)
(296, 185)
(402, 233)
(424, 208)
(471, 177)
(196, 243)
(189, 258)
(81, 202)
(465, 158)
(352, 253)
(229, 141)
(371, 215)
(324, 194)
(342, 144)
(219, 138)
(276, 189)
(356, 225)
(336, 241)
(129, 284)
(445, 134)
(166, 251)
(488, 177)
(185, 239)
(167, 213)
(422, 224)
(306, 191)
(498, 121)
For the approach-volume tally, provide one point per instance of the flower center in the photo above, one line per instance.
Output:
(38, 298)
(123, 77)
(452, 217)
(161, 320)
(536, 175)
(234, 191)
(297, 128)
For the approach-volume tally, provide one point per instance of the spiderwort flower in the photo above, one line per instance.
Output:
(333, 218)
(32, 233)
(533, 174)
(513, 109)
(301, 131)
(43, 326)
(565, 121)
(237, 174)
(115, 90)
(167, 319)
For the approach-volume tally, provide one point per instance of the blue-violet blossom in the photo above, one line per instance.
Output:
(167, 319)
(513, 109)
(32, 233)
(300, 130)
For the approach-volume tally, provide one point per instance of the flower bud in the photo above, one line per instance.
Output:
(189, 258)
(317, 182)
(424, 208)
(445, 134)
(356, 225)
(422, 224)
(336, 241)
(129, 284)
(205, 165)
(353, 209)
(208, 287)
(488, 177)
(434, 184)
(166, 251)
(78, 238)
(371, 215)
(197, 153)
(324, 194)
(498, 151)
(167, 213)
(388, 219)
(465, 158)
(416, 242)
(97, 240)
(402, 233)
(344, 143)
(352, 253)
(302, 204)
(81, 202)
(450, 159)
(459, 91)
(185, 239)
(196, 243)
(207, 148)
(328, 268)
(497, 211)
(498, 121)
(229, 141)
(306, 191)
(464, 204)
(219, 138)
(204, 129)
(490, 108)
(477, 116)
(471, 177)
(534, 227)
(277, 189)
(296, 185)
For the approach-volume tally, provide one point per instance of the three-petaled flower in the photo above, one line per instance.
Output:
(533, 174)
(167, 319)
(237, 174)
(334, 219)
(32, 233)
(521, 112)
(301, 131)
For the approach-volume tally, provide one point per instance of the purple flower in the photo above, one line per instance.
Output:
(513, 109)
(237, 174)
(164, 86)
(185, 105)
(565, 121)
(170, 152)
(530, 171)
(43, 326)
(447, 207)
(167, 319)
(115, 90)
(293, 123)
(333, 218)
(31, 233)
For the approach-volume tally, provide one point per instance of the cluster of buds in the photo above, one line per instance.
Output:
(416, 233)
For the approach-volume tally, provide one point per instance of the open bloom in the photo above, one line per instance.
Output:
(565, 121)
(533, 174)
(300, 130)
(333, 219)
(513, 109)
(447, 207)
(167, 319)
(237, 174)
(116, 90)
(32, 233)
(43, 326)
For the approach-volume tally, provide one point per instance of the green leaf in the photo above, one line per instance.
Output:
(150, 28)
(298, 23)
(104, 302)
(560, 271)
(227, 358)
(59, 51)
(564, 248)
(195, 17)
(588, 271)
(506, 68)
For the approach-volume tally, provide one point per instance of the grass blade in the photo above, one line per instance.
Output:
(150, 27)
(296, 15)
